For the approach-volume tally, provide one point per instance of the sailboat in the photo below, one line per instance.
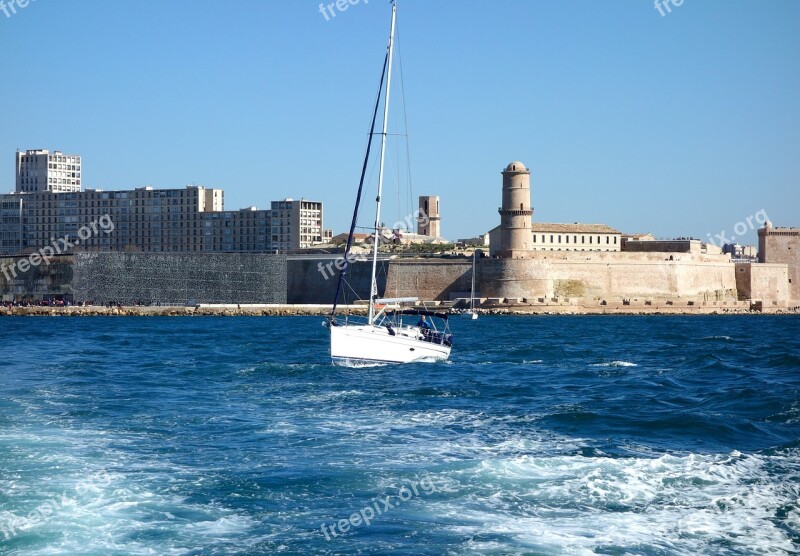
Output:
(384, 337)
(471, 314)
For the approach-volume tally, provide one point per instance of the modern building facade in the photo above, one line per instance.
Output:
(190, 220)
(11, 231)
(297, 224)
(40, 170)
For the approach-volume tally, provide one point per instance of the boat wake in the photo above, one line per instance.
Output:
(615, 364)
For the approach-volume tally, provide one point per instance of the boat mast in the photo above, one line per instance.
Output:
(376, 242)
(472, 291)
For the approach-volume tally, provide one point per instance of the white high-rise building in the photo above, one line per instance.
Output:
(40, 170)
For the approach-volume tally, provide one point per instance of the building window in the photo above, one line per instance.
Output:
(551, 239)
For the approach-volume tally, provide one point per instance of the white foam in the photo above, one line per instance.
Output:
(615, 364)
(684, 504)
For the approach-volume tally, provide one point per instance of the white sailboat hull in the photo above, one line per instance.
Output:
(369, 344)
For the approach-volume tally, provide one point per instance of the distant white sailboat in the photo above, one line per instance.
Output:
(384, 337)
(471, 314)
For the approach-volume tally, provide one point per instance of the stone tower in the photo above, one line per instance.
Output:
(429, 219)
(782, 246)
(516, 213)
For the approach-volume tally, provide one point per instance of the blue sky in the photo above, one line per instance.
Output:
(678, 125)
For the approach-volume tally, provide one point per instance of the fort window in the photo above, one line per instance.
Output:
(583, 239)
(590, 239)
(559, 239)
(551, 239)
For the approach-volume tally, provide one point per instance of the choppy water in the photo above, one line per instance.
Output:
(543, 435)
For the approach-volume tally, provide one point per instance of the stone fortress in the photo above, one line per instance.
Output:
(585, 268)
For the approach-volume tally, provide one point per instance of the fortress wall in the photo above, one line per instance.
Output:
(430, 279)
(610, 275)
(308, 284)
(764, 282)
(710, 281)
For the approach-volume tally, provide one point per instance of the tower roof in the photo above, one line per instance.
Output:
(516, 166)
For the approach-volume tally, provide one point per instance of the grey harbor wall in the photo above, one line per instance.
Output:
(155, 278)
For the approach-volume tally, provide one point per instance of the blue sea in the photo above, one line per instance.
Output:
(541, 435)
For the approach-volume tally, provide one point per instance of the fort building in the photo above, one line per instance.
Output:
(531, 260)
(564, 237)
(782, 246)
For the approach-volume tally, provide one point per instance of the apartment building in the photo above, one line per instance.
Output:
(296, 224)
(41, 170)
(157, 220)
(11, 235)
(49, 204)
